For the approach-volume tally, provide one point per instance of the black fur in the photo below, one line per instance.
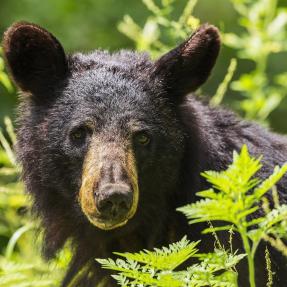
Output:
(117, 91)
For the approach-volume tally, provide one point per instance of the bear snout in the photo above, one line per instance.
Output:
(114, 201)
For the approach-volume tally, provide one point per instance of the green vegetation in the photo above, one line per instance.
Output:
(257, 91)
(4, 80)
(157, 268)
(230, 201)
(160, 31)
(264, 34)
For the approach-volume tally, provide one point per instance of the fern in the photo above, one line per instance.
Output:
(231, 201)
(33, 274)
(157, 268)
(165, 258)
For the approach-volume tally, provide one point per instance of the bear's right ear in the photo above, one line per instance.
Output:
(35, 58)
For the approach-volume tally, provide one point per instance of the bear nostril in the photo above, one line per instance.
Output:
(113, 202)
(104, 206)
(124, 205)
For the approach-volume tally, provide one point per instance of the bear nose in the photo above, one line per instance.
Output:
(114, 201)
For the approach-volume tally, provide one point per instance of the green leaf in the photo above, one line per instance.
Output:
(167, 258)
(267, 184)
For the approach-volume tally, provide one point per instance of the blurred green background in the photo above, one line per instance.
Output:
(89, 24)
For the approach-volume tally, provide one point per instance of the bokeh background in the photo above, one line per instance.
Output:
(91, 24)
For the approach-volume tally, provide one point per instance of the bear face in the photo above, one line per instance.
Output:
(106, 133)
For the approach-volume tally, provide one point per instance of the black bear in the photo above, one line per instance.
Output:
(112, 144)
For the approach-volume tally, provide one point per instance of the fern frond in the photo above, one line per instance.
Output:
(148, 268)
(167, 258)
(267, 184)
(234, 198)
(237, 179)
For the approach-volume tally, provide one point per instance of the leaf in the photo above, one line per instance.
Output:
(7, 148)
(278, 24)
(137, 269)
(167, 258)
(267, 184)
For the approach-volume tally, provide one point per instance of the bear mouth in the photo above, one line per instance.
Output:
(108, 223)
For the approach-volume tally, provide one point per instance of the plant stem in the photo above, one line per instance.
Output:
(250, 257)
(271, 8)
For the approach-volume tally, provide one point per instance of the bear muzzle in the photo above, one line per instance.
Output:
(109, 192)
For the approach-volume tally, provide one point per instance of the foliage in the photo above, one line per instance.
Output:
(157, 268)
(4, 79)
(160, 31)
(231, 202)
(264, 34)
(222, 88)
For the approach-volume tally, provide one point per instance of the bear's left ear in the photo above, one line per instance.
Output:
(188, 66)
(35, 58)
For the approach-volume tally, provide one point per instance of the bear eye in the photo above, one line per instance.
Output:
(79, 134)
(142, 138)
